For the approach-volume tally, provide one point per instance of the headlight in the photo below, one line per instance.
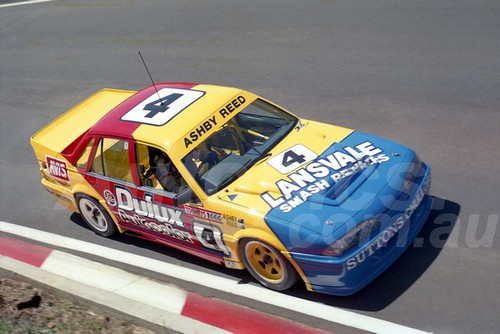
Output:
(412, 173)
(352, 237)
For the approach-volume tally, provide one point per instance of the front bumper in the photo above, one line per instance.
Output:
(347, 275)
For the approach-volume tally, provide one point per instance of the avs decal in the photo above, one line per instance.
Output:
(317, 176)
(140, 212)
(57, 168)
(292, 159)
(210, 237)
(162, 106)
(203, 213)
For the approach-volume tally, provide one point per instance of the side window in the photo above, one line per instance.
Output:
(157, 171)
(84, 156)
(111, 159)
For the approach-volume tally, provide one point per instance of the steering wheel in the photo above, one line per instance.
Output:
(210, 160)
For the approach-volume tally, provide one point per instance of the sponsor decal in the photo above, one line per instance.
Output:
(200, 131)
(141, 212)
(146, 208)
(232, 106)
(232, 197)
(203, 213)
(388, 233)
(109, 197)
(228, 217)
(210, 237)
(317, 175)
(211, 122)
(234, 221)
(57, 168)
(165, 229)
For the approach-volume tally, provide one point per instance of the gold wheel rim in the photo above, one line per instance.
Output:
(264, 261)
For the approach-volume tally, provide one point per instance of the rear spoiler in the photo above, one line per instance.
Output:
(62, 132)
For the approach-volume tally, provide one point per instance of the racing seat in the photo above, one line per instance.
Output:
(146, 165)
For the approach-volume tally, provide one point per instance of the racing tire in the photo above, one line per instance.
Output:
(96, 216)
(267, 265)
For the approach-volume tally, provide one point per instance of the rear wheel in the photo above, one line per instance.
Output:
(267, 265)
(96, 216)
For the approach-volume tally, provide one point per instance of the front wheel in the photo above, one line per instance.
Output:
(96, 216)
(267, 265)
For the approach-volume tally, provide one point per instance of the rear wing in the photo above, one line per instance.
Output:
(64, 130)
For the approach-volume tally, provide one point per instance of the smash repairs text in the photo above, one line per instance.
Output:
(314, 178)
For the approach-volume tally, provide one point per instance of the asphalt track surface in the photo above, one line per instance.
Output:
(423, 73)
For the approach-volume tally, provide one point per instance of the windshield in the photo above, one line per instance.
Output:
(241, 142)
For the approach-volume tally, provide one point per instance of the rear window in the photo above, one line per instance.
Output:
(84, 156)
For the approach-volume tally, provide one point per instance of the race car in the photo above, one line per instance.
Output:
(233, 178)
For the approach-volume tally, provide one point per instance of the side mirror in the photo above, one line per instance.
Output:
(185, 196)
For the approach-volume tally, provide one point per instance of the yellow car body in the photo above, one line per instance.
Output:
(146, 163)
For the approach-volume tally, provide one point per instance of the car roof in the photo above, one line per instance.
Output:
(130, 119)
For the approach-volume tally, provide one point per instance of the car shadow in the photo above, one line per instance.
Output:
(403, 273)
(376, 296)
(164, 250)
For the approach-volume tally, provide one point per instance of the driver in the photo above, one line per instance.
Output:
(199, 160)
(167, 174)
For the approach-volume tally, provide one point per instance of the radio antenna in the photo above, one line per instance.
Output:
(154, 85)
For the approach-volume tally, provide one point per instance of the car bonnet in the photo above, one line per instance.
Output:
(342, 182)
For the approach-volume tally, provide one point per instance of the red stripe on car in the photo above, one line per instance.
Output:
(112, 125)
